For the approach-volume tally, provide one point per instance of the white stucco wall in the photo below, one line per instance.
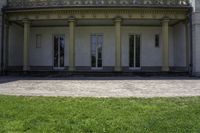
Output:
(179, 45)
(196, 38)
(15, 56)
(2, 3)
(83, 51)
(150, 55)
(44, 56)
(196, 43)
(0, 38)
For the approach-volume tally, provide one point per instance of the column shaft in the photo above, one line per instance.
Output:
(26, 45)
(165, 49)
(187, 45)
(118, 66)
(72, 45)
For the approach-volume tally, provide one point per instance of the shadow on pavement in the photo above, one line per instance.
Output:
(7, 79)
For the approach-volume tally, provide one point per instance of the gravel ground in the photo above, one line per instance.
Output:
(101, 86)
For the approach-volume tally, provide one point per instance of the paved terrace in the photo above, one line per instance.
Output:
(101, 86)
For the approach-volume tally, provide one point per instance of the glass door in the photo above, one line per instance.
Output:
(96, 51)
(59, 51)
(134, 51)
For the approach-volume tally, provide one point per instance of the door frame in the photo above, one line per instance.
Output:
(135, 68)
(96, 34)
(58, 68)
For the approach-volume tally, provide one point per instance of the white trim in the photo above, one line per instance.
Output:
(97, 68)
(135, 68)
(58, 68)
(96, 34)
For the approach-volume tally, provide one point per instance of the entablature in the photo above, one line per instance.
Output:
(94, 13)
(25, 4)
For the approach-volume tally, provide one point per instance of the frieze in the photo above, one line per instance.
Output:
(99, 14)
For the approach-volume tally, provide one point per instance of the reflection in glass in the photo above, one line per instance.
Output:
(62, 52)
(131, 50)
(96, 50)
(137, 51)
(134, 51)
(59, 51)
(55, 51)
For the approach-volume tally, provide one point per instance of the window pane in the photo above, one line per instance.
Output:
(62, 51)
(157, 40)
(96, 50)
(131, 50)
(56, 51)
(137, 51)
(100, 40)
(93, 50)
(100, 43)
(38, 41)
(100, 57)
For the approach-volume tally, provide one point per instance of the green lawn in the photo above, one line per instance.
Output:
(86, 115)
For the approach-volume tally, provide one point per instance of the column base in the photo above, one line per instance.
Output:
(72, 69)
(118, 69)
(165, 69)
(26, 68)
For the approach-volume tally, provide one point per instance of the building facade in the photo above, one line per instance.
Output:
(100, 35)
(196, 40)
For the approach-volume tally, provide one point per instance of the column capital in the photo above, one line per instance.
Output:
(117, 19)
(165, 20)
(186, 21)
(71, 19)
(8, 23)
(27, 21)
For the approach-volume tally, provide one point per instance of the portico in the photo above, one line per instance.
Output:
(111, 39)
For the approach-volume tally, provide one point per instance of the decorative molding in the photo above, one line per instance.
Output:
(97, 3)
(26, 20)
(133, 13)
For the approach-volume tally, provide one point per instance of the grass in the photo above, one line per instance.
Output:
(87, 115)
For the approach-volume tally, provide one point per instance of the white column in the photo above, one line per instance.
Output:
(118, 66)
(26, 45)
(165, 48)
(72, 45)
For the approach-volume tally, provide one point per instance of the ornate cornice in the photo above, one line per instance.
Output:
(144, 13)
(22, 4)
